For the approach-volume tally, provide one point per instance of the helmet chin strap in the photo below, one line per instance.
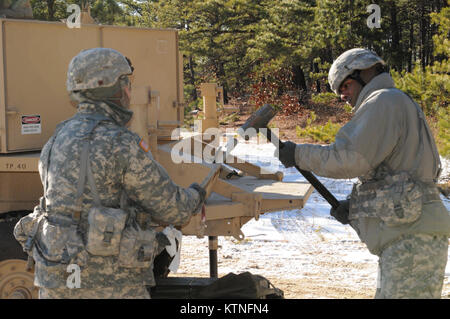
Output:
(125, 97)
(122, 101)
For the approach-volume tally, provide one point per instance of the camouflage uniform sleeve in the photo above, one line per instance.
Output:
(43, 159)
(148, 184)
(360, 146)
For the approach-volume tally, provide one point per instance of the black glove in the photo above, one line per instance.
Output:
(202, 194)
(341, 213)
(287, 154)
(163, 241)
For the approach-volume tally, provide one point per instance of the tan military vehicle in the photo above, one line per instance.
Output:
(34, 56)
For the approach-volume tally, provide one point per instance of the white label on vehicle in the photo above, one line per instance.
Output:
(31, 124)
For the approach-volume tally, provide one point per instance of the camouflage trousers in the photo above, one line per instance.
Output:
(413, 268)
(119, 292)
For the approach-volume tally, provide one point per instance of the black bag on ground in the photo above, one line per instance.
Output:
(231, 286)
(241, 286)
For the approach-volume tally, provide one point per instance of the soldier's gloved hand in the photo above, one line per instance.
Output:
(202, 194)
(287, 154)
(341, 213)
(163, 241)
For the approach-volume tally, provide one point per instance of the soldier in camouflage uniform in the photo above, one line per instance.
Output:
(19, 9)
(395, 207)
(103, 190)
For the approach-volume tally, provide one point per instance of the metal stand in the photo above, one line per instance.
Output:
(213, 245)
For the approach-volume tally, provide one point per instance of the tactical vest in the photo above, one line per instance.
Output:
(54, 238)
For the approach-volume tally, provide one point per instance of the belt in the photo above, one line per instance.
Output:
(64, 220)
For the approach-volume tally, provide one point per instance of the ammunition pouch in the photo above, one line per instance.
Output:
(397, 199)
(50, 239)
(138, 247)
(105, 230)
(57, 243)
(26, 228)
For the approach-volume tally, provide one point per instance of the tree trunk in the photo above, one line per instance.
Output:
(51, 9)
(316, 70)
(192, 78)
(221, 76)
(411, 45)
(395, 31)
(298, 79)
(423, 48)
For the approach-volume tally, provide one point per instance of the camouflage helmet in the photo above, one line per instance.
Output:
(96, 68)
(349, 62)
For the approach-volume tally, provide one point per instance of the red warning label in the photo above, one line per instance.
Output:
(31, 124)
(31, 119)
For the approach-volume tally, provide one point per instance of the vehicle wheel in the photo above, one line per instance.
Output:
(15, 281)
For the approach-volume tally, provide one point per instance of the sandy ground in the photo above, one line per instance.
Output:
(306, 253)
(341, 269)
(300, 273)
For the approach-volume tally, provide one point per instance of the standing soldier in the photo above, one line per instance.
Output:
(91, 235)
(19, 9)
(395, 207)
